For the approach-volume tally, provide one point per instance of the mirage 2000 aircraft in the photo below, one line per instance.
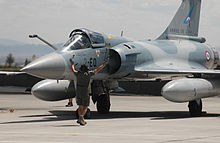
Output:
(178, 50)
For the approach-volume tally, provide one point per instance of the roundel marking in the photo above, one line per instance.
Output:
(207, 55)
(97, 53)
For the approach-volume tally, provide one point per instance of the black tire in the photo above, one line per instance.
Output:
(87, 115)
(28, 90)
(103, 103)
(195, 109)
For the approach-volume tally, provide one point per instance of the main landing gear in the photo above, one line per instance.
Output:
(195, 108)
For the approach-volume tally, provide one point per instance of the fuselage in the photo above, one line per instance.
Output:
(125, 56)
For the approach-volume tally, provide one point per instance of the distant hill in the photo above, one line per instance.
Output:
(21, 51)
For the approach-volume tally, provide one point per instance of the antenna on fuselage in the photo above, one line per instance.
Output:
(41, 39)
(122, 32)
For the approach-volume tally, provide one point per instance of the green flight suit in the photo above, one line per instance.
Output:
(82, 87)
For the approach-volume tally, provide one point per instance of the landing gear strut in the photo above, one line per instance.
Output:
(195, 108)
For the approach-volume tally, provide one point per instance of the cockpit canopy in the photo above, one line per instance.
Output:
(84, 38)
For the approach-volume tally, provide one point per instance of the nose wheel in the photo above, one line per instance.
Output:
(103, 103)
(195, 108)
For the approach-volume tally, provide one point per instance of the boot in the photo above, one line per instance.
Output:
(81, 121)
(70, 104)
(84, 120)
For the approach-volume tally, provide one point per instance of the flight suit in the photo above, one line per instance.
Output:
(82, 87)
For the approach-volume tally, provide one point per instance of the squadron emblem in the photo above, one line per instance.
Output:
(188, 18)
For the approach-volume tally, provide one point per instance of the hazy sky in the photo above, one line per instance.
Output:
(140, 19)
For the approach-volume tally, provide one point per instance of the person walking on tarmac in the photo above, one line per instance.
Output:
(83, 77)
(70, 103)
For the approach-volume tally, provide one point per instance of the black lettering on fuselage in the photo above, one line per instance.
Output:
(174, 30)
(92, 62)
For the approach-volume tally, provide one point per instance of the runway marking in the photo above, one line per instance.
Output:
(76, 135)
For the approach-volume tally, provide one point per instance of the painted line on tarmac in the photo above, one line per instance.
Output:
(75, 135)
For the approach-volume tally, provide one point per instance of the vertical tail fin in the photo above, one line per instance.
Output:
(186, 20)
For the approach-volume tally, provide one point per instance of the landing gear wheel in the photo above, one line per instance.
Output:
(103, 103)
(195, 108)
(87, 115)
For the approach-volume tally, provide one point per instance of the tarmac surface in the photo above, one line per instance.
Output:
(133, 119)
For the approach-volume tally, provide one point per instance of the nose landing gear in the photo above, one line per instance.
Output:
(103, 103)
(100, 95)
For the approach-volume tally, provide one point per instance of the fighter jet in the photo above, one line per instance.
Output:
(178, 50)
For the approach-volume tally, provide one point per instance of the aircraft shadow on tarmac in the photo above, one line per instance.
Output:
(59, 115)
(14, 93)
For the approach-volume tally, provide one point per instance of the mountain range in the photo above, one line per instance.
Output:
(21, 51)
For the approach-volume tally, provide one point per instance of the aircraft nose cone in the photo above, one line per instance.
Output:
(51, 66)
